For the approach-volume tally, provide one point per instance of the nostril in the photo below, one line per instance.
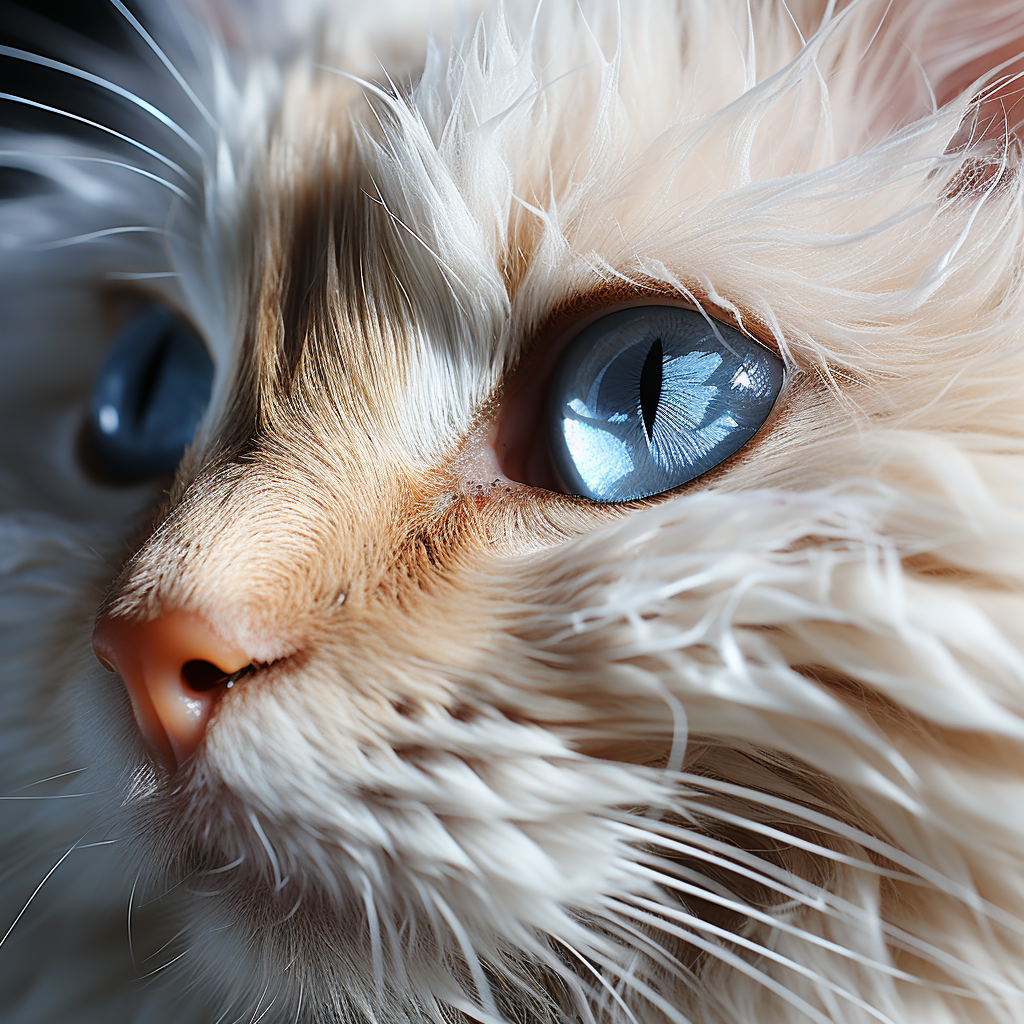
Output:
(202, 676)
(174, 668)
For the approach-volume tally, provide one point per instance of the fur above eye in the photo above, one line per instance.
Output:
(148, 398)
(648, 398)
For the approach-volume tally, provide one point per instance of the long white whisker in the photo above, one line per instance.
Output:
(922, 874)
(93, 236)
(376, 951)
(447, 272)
(35, 892)
(483, 988)
(170, 942)
(257, 1020)
(803, 892)
(263, 995)
(51, 796)
(727, 957)
(167, 63)
(262, 836)
(162, 967)
(52, 778)
(295, 908)
(226, 867)
(697, 924)
(601, 980)
(131, 899)
(783, 926)
(113, 163)
(825, 852)
(103, 83)
(165, 160)
(167, 891)
(732, 859)
(641, 987)
(133, 168)
(131, 275)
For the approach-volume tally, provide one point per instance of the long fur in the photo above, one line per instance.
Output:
(750, 753)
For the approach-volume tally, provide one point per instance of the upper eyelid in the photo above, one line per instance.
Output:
(574, 314)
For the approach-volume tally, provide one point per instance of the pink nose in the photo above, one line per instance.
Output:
(175, 668)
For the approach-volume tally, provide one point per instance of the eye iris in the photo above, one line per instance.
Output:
(648, 398)
(148, 398)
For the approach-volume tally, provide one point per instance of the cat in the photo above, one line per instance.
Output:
(593, 589)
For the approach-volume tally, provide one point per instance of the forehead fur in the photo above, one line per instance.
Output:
(417, 240)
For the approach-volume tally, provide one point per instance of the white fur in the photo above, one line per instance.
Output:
(809, 187)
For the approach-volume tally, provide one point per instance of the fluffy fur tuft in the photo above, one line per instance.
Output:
(746, 753)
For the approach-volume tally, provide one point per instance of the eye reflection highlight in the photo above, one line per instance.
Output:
(618, 430)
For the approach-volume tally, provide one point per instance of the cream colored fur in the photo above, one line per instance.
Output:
(750, 754)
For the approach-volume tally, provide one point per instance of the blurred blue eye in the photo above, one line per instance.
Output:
(148, 398)
(648, 398)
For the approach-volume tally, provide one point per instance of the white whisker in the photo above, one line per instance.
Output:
(166, 892)
(483, 988)
(376, 950)
(447, 272)
(263, 995)
(165, 160)
(696, 923)
(167, 63)
(262, 836)
(92, 236)
(266, 1011)
(601, 980)
(51, 796)
(125, 275)
(804, 893)
(156, 970)
(868, 867)
(132, 168)
(781, 925)
(117, 90)
(727, 957)
(52, 778)
(35, 892)
(922, 874)
(226, 867)
(639, 986)
(295, 909)
(131, 899)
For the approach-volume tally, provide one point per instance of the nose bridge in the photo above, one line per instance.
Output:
(240, 538)
(221, 587)
(250, 563)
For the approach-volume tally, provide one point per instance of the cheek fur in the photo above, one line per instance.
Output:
(750, 752)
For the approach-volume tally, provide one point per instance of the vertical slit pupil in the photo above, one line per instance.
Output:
(650, 387)
(150, 375)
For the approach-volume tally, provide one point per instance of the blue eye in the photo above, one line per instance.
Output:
(148, 398)
(648, 398)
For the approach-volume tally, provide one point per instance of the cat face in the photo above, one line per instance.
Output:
(467, 740)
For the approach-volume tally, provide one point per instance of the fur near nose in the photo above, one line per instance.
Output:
(174, 668)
